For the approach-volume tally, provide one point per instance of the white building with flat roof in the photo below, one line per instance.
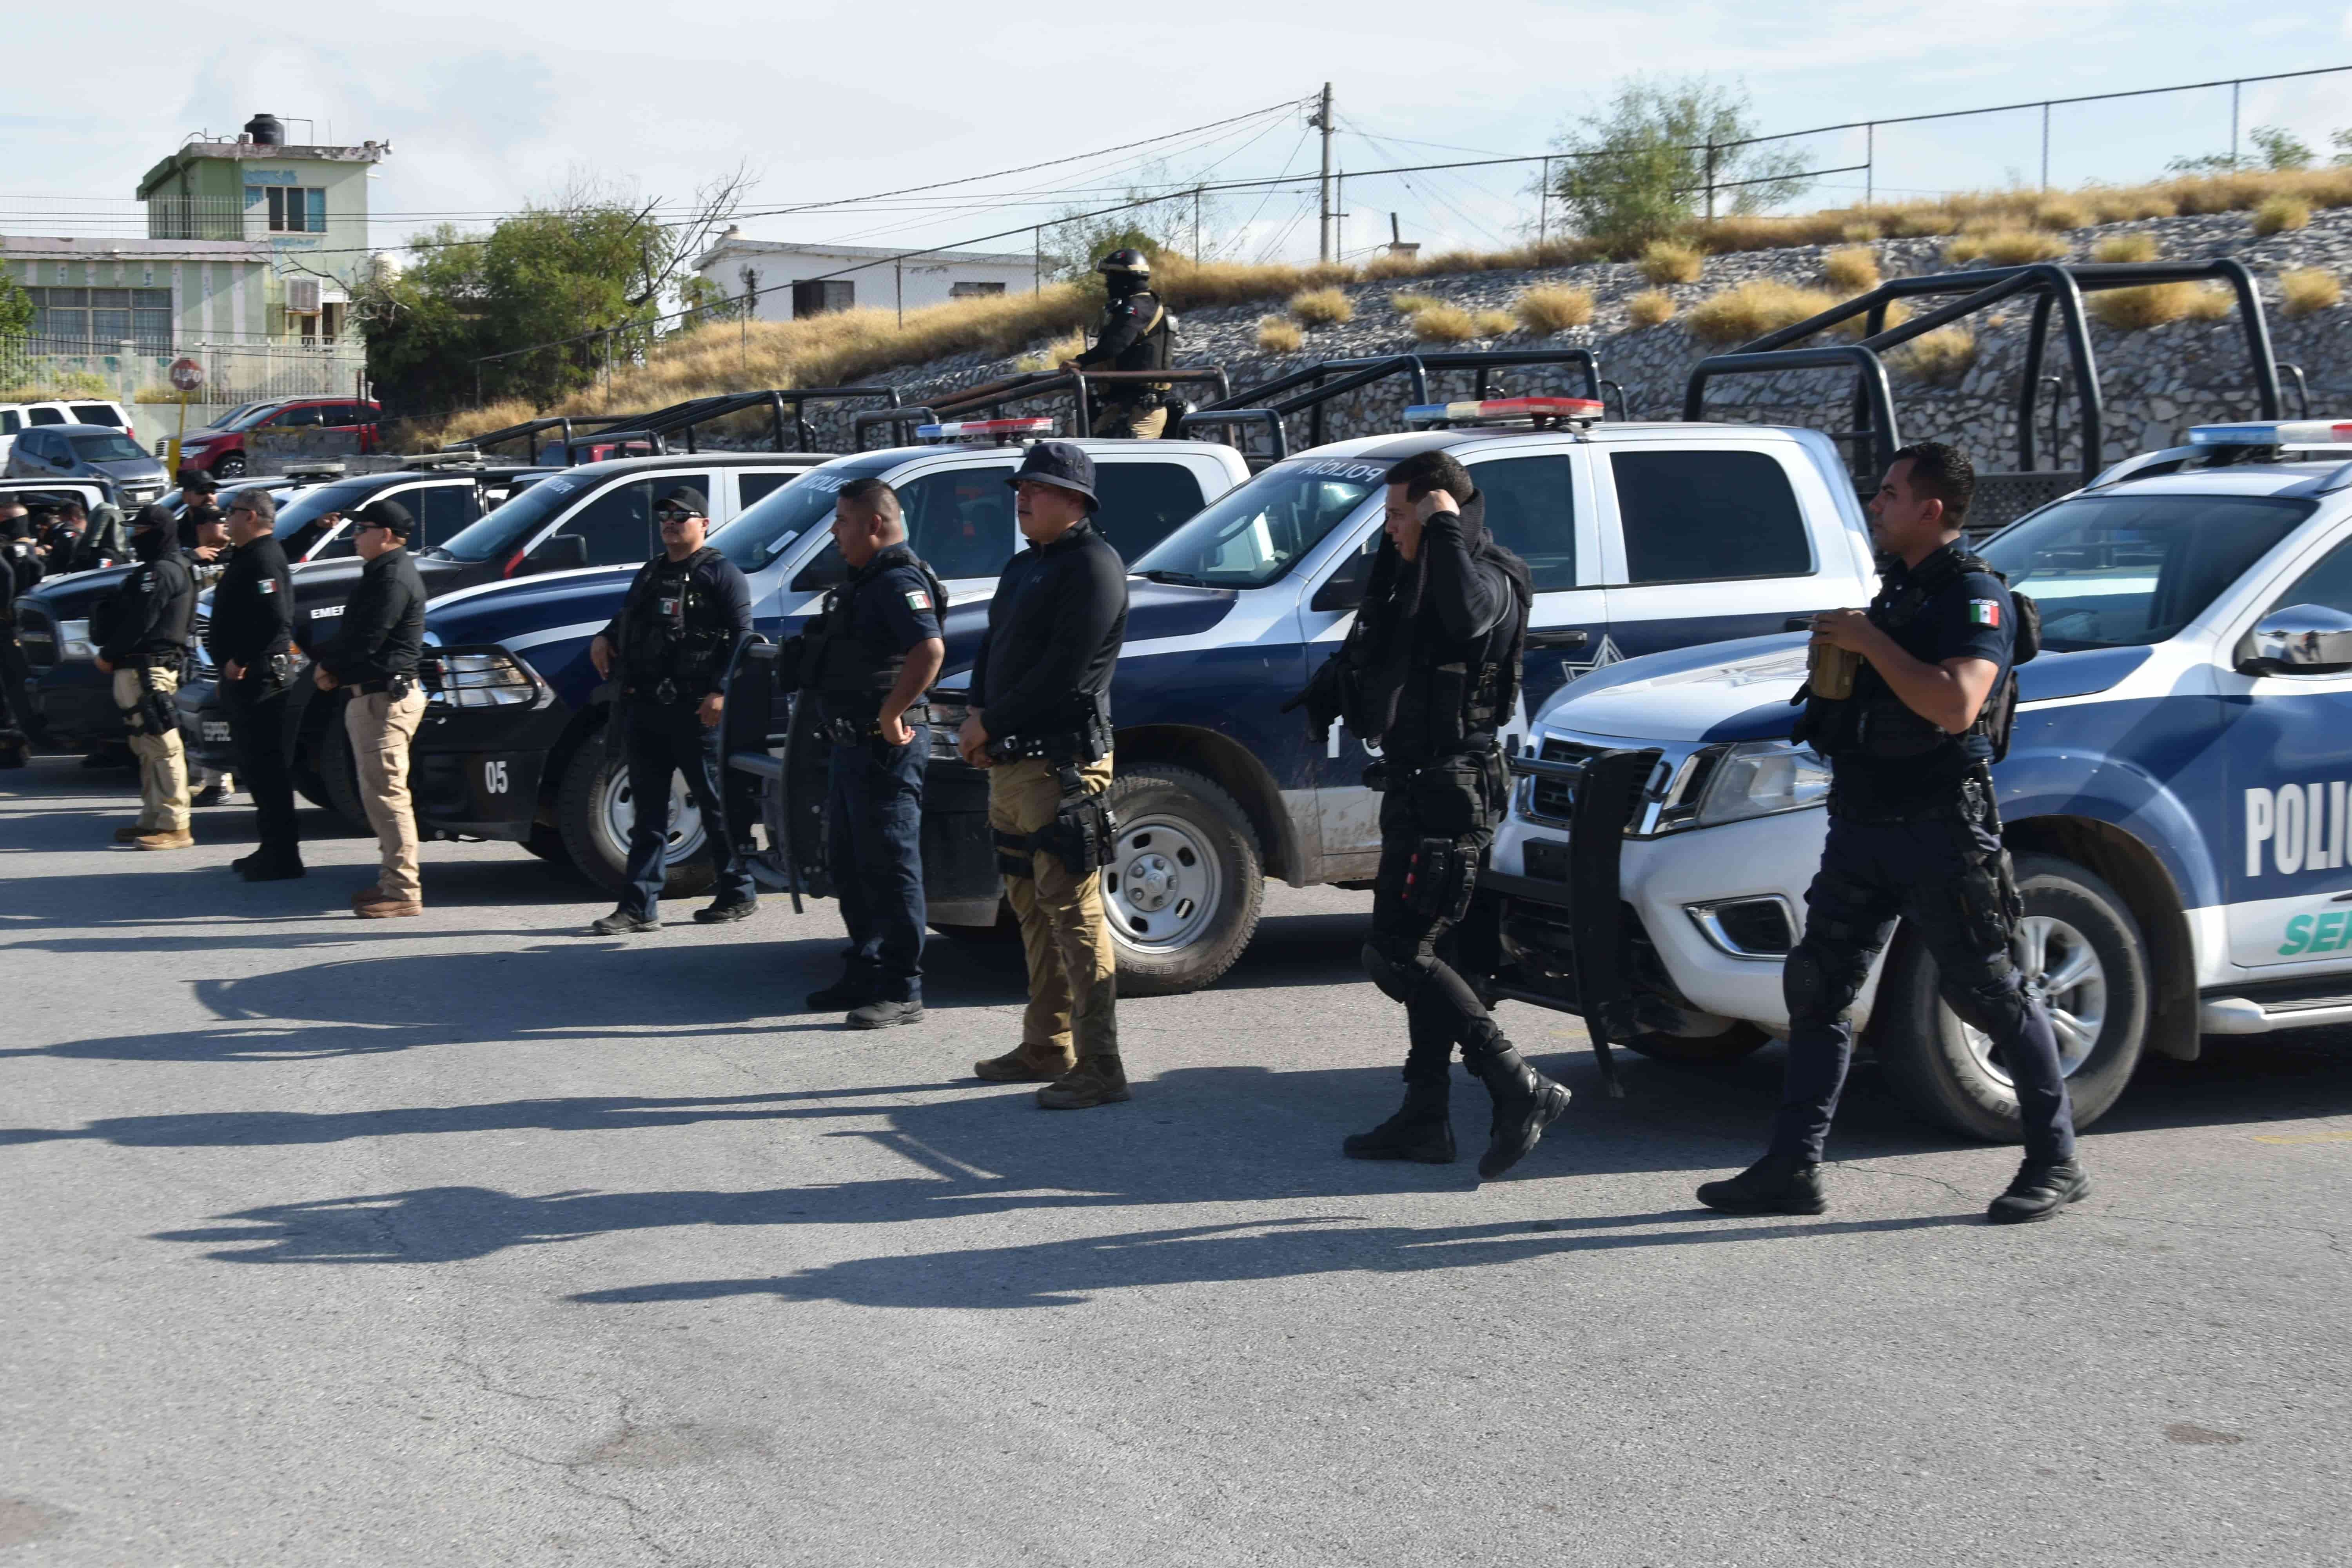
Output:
(791, 280)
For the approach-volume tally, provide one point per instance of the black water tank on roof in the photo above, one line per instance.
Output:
(266, 130)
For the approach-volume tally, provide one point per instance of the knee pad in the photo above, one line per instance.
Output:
(1398, 967)
(1814, 988)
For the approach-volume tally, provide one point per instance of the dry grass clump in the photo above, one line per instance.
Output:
(1665, 261)
(1436, 324)
(1858, 233)
(2308, 288)
(2151, 305)
(2211, 302)
(1051, 356)
(1551, 309)
(2006, 246)
(1411, 304)
(2125, 248)
(1753, 308)
(1496, 323)
(2061, 213)
(77, 383)
(1851, 271)
(1650, 308)
(1940, 358)
(2279, 213)
(1322, 307)
(1276, 336)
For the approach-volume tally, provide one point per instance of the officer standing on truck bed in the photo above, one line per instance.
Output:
(143, 646)
(1429, 672)
(373, 654)
(872, 652)
(1138, 333)
(1040, 724)
(251, 641)
(687, 610)
(1914, 832)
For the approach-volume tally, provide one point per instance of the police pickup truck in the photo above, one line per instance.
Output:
(1641, 537)
(511, 746)
(2174, 796)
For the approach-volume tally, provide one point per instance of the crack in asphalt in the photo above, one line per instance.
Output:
(1906, 1176)
(569, 1470)
(2335, 1242)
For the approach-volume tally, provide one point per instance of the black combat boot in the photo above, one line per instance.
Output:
(1421, 1130)
(2043, 1188)
(1774, 1184)
(1526, 1103)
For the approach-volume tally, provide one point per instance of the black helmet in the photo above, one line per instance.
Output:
(1130, 261)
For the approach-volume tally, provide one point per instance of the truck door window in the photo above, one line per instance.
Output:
(1143, 502)
(751, 487)
(2328, 584)
(1531, 513)
(302, 417)
(618, 525)
(1707, 516)
(960, 521)
(441, 511)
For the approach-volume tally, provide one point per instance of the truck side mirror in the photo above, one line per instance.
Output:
(2298, 639)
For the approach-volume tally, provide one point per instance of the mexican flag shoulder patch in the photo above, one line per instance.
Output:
(918, 600)
(1984, 611)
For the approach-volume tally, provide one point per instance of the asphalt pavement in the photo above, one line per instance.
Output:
(475, 1240)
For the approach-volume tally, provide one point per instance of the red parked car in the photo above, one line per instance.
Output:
(219, 449)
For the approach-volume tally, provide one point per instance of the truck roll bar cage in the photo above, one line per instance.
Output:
(990, 397)
(655, 427)
(531, 427)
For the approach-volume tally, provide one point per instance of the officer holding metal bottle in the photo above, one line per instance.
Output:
(866, 661)
(687, 610)
(251, 641)
(1040, 724)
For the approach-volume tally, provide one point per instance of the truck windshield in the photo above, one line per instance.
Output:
(783, 514)
(1259, 529)
(244, 418)
(2119, 571)
(301, 521)
(507, 527)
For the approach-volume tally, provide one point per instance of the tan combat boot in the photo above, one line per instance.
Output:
(1030, 1063)
(1096, 1081)
(183, 840)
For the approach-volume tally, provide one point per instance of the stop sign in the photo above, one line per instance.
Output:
(187, 374)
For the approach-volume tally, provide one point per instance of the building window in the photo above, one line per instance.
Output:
(293, 209)
(826, 294)
(103, 319)
(973, 290)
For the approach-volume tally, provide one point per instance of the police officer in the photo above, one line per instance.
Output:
(1429, 672)
(687, 610)
(20, 568)
(373, 657)
(1138, 333)
(1040, 724)
(251, 641)
(1913, 833)
(873, 652)
(144, 646)
(198, 493)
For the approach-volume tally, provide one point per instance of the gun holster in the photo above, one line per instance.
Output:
(1083, 835)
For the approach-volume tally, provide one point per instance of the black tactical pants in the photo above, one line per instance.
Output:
(16, 676)
(664, 742)
(256, 728)
(873, 825)
(1941, 876)
(1436, 824)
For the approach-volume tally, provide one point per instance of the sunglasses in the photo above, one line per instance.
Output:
(673, 514)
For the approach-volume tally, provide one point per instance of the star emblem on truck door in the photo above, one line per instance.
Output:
(1607, 653)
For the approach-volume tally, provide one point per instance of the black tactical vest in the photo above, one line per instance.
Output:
(670, 626)
(1156, 349)
(851, 677)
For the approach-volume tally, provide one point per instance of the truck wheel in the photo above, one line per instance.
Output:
(593, 811)
(1184, 890)
(231, 466)
(1705, 1050)
(338, 776)
(547, 843)
(312, 788)
(2082, 955)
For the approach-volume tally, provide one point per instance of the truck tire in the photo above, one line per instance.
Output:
(1184, 892)
(338, 776)
(592, 810)
(547, 843)
(1733, 1045)
(2077, 932)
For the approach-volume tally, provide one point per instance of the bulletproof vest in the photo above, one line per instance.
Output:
(1875, 722)
(851, 677)
(1456, 690)
(1156, 349)
(670, 629)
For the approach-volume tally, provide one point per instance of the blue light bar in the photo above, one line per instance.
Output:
(2274, 433)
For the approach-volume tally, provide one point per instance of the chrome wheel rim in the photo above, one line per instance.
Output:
(2062, 972)
(619, 816)
(1162, 885)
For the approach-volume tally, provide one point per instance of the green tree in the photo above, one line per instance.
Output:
(16, 309)
(2276, 148)
(1639, 168)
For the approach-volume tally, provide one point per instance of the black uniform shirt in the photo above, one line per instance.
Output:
(724, 604)
(1127, 342)
(1054, 631)
(383, 627)
(150, 613)
(253, 605)
(1463, 597)
(1971, 617)
(893, 611)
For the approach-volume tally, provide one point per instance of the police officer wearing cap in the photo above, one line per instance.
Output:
(198, 493)
(373, 657)
(867, 658)
(1040, 724)
(1429, 672)
(1913, 833)
(687, 610)
(144, 646)
(1138, 333)
(251, 640)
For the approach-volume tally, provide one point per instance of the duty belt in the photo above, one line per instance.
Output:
(399, 686)
(666, 692)
(856, 732)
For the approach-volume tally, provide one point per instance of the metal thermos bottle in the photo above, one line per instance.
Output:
(1830, 671)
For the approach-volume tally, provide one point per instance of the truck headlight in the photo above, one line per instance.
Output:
(73, 640)
(479, 680)
(1763, 778)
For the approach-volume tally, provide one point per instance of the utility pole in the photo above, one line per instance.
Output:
(1322, 120)
(1196, 226)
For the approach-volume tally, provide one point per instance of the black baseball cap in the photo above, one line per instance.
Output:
(386, 514)
(686, 497)
(1059, 463)
(197, 479)
(154, 514)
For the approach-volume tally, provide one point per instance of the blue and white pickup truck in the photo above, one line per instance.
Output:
(2175, 795)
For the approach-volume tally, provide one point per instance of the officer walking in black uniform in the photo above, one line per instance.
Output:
(251, 641)
(1138, 333)
(687, 610)
(873, 651)
(143, 648)
(1913, 833)
(1430, 673)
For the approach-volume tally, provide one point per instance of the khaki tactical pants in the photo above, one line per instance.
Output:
(1134, 421)
(1073, 973)
(380, 730)
(163, 761)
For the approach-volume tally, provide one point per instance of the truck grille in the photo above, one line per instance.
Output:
(1554, 799)
(37, 635)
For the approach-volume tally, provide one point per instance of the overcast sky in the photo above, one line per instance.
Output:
(826, 101)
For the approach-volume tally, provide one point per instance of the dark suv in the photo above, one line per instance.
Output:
(219, 449)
